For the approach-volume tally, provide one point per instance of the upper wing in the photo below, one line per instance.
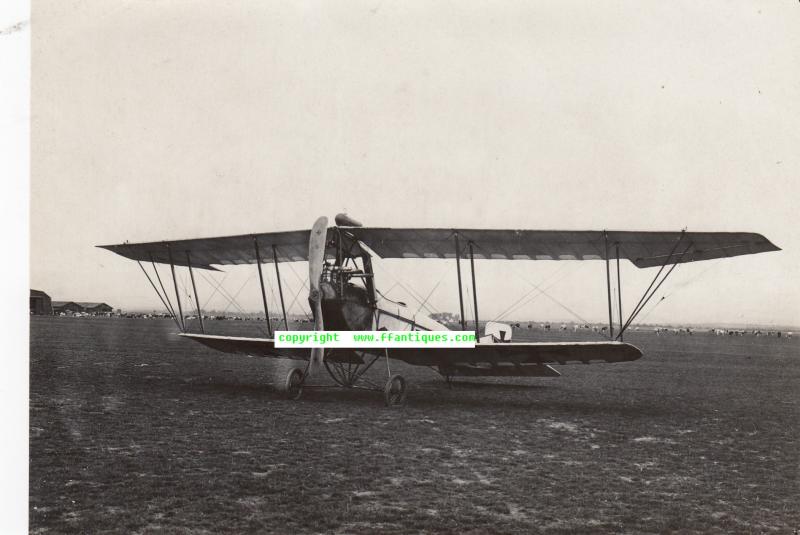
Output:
(644, 249)
(290, 246)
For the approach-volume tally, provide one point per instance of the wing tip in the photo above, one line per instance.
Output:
(636, 353)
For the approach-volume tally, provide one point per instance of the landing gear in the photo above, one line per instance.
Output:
(294, 383)
(394, 393)
(348, 375)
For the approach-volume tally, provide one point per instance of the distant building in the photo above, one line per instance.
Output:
(40, 303)
(73, 307)
(96, 308)
(66, 307)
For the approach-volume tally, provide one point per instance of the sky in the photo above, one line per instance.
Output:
(176, 119)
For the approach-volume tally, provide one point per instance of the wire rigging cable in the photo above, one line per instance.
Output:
(412, 292)
(216, 284)
(553, 299)
(679, 287)
(304, 284)
(294, 300)
(519, 302)
(231, 299)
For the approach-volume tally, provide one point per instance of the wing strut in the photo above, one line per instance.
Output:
(196, 299)
(474, 289)
(619, 294)
(169, 309)
(280, 288)
(649, 294)
(261, 281)
(175, 284)
(460, 295)
(608, 288)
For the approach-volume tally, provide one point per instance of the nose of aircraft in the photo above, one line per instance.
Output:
(344, 220)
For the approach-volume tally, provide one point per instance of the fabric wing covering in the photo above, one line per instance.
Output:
(643, 249)
(291, 246)
(492, 353)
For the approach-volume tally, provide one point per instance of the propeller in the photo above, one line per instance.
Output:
(316, 258)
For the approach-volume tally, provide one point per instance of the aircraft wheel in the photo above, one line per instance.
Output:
(394, 393)
(294, 384)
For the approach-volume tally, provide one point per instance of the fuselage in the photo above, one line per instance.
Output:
(348, 307)
(349, 298)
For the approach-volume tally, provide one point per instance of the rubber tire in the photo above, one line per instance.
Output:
(391, 396)
(294, 384)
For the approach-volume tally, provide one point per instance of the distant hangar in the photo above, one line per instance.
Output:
(76, 307)
(42, 305)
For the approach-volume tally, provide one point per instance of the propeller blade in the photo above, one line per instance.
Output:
(316, 258)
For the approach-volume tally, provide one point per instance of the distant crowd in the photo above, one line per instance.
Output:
(657, 330)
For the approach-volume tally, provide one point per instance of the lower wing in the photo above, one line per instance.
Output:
(518, 359)
(523, 359)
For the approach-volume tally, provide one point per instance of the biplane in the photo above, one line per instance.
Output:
(343, 293)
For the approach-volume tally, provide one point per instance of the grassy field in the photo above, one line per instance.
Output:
(136, 430)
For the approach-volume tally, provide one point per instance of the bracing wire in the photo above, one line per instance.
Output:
(236, 304)
(389, 290)
(304, 284)
(423, 303)
(218, 287)
(519, 304)
(411, 292)
(469, 310)
(553, 299)
(231, 299)
(653, 308)
(679, 287)
(303, 281)
(170, 308)
(157, 292)
(272, 294)
(543, 292)
(294, 300)
(216, 284)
